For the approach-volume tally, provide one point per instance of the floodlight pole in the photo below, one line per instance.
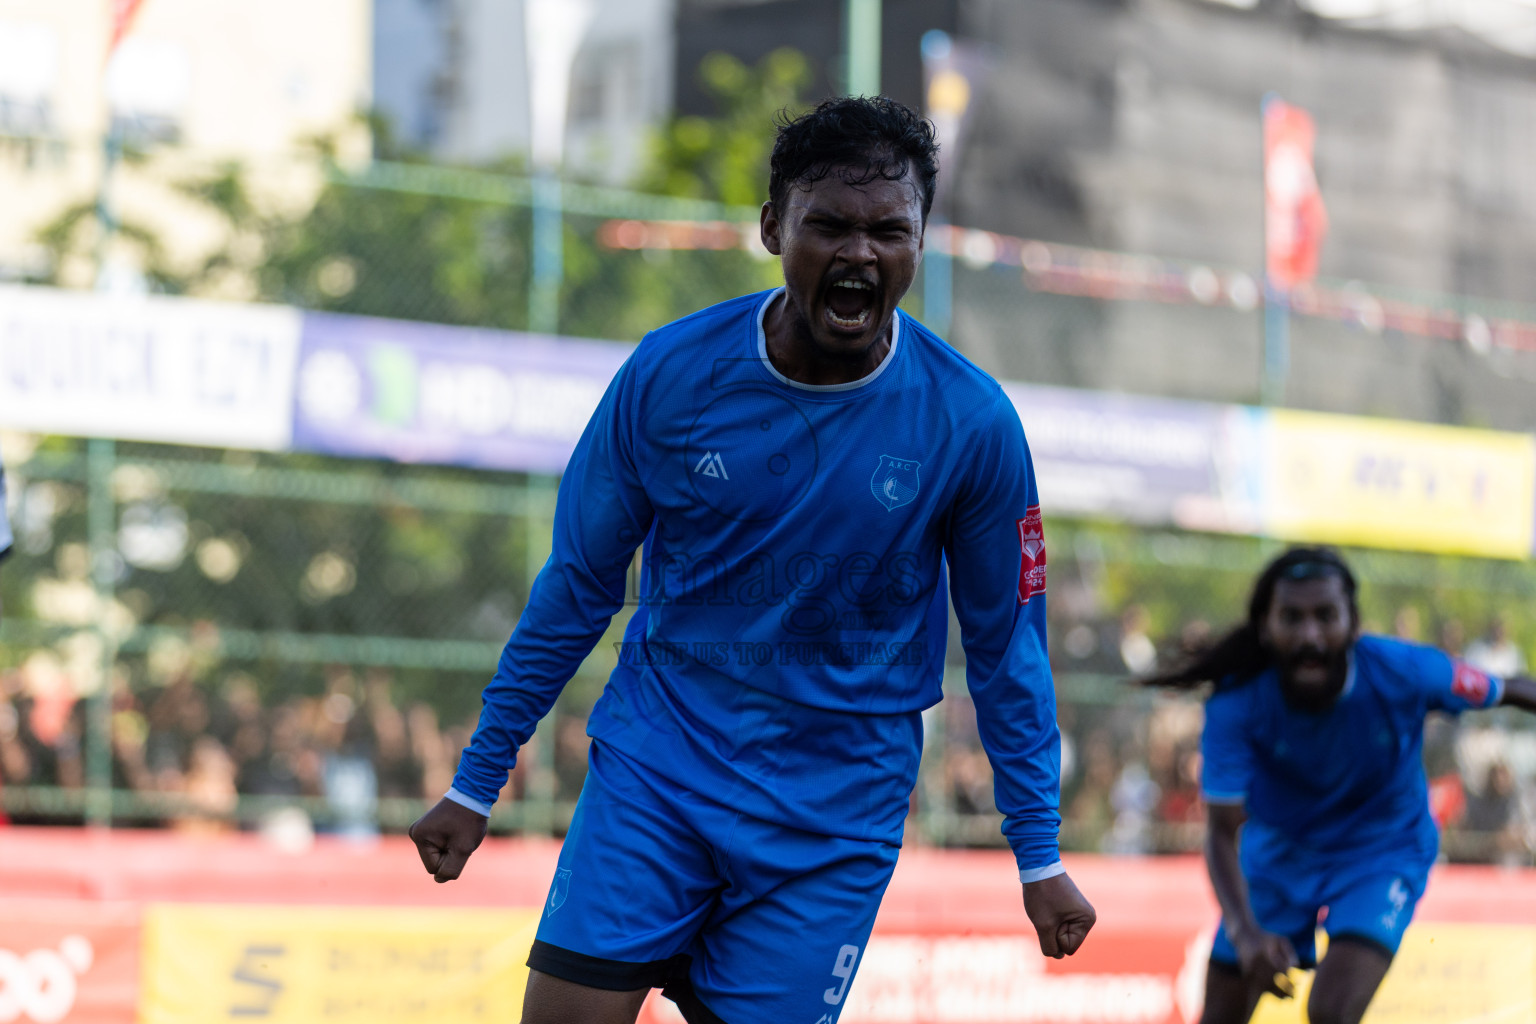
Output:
(862, 36)
(101, 510)
(552, 34)
(101, 526)
(106, 220)
(1277, 342)
(938, 268)
(548, 253)
(1277, 319)
(938, 277)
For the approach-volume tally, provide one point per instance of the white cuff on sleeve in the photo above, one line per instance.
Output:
(1027, 875)
(467, 801)
(1224, 799)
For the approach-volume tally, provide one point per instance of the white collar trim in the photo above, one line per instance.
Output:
(869, 378)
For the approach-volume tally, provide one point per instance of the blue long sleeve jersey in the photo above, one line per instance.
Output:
(1348, 780)
(791, 620)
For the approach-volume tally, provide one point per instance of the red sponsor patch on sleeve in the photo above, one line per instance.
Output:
(1031, 555)
(1470, 684)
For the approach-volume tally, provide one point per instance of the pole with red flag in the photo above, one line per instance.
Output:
(1295, 222)
(122, 19)
(101, 462)
(121, 14)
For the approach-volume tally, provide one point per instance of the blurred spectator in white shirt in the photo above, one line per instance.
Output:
(1495, 653)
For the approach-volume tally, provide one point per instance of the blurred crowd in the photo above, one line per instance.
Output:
(203, 747)
(1130, 758)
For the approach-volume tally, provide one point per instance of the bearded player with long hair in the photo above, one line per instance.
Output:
(1312, 753)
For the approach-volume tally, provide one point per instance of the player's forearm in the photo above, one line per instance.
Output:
(567, 615)
(1016, 720)
(1519, 692)
(1036, 849)
(1221, 861)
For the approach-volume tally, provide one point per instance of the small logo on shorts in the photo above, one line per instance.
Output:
(560, 890)
(1397, 895)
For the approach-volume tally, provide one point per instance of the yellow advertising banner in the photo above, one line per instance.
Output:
(1443, 974)
(333, 965)
(1413, 486)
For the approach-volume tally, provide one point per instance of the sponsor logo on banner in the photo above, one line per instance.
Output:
(1415, 486)
(70, 960)
(41, 984)
(1144, 460)
(418, 392)
(1470, 684)
(1442, 972)
(1031, 554)
(368, 965)
(149, 368)
(917, 979)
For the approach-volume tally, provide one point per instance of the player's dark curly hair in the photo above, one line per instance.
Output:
(1241, 655)
(861, 139)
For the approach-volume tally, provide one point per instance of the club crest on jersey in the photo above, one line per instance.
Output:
(1470, 684)
(1031, 555)
(895, 482)
(560, 889)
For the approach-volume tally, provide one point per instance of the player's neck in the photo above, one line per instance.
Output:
(795, 354)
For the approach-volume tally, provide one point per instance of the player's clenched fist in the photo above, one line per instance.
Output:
(1061, 915)
(445, 837)
(1266, 960)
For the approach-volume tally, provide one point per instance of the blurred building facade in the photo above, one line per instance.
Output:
(192, 83)
(1134, 126)
(451, 78)
(750, 29)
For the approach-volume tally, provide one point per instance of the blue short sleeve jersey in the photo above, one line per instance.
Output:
(791, 620)
(1346, 780)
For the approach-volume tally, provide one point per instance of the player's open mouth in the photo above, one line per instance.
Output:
(850, 304)
(1310, 670)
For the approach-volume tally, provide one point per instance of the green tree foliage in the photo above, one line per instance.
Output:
(725, 158)
(402, 254)
(426, 255)
(426, 251)
(222, 193)
(622, 294)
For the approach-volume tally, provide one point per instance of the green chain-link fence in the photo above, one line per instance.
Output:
(271, 623)
(266, 640)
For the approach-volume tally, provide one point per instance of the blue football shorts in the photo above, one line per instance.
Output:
(1371, 902)
(737, 920)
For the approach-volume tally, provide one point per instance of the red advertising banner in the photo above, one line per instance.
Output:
(115, 927)
(148, 865)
